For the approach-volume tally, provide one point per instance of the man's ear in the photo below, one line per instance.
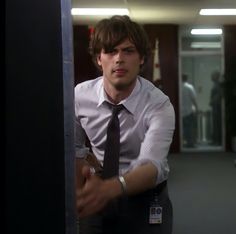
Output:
(99, 60)
(142, 61)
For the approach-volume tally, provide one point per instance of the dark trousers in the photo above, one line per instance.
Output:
(216, 125)
(189, 133)
(130, 215)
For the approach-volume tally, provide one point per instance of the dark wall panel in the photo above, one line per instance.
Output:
(34, 118)
(230, 79)
(83, 65)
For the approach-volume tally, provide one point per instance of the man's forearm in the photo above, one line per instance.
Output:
(137, 180)
(94, 192)
(140, 179)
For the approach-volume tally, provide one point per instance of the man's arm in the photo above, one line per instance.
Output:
(96, 193)
(141, 178)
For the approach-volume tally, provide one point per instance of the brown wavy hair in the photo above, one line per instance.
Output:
(109, 33)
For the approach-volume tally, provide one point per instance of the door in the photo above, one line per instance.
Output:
(201, 94)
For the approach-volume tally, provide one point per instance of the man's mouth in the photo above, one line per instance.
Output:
(120, 71)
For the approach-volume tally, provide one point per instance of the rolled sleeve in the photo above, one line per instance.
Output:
(157, 141)
(81, 150)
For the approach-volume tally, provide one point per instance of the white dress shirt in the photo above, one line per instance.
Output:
(146, 124)
(188, 99)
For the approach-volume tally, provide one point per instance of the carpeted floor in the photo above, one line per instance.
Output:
(202, 188)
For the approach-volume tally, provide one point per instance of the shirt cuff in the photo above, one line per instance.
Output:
(81, 153)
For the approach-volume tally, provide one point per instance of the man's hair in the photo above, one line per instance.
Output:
(109, 33)
(184, 77)
(215, 75)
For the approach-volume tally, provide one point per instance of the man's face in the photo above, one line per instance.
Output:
(121, 65)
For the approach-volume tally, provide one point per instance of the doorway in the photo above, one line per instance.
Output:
(201, 95)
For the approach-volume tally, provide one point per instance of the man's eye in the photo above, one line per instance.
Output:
(110, 51)
(129, 50)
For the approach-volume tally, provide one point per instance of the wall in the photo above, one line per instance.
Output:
(83, 65)
(230, 73)
(39, 71)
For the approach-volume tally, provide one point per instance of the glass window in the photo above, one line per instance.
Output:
(201, 99)
(199, 43)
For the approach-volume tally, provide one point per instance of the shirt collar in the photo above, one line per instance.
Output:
(102, 97)
(129, 103)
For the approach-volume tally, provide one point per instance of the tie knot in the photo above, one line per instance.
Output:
(116, 108)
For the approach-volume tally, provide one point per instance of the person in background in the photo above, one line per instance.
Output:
(135, 200)
(216, 105)
(189, 111)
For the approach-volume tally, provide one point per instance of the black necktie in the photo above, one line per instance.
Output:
(112, 147)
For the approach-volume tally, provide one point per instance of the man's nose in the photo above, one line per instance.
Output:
(119, 57)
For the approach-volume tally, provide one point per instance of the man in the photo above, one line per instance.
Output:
(135, 199)
(216, 105)
(189, 109)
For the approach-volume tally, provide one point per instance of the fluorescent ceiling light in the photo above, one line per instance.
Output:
(217, 12)
(197, 45)
(205, 31)
(99, 11)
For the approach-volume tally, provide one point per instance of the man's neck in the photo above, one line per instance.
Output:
(117, 95)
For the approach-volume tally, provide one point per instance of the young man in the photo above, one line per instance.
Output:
(134, 199)
(189, 112)
(216, 108)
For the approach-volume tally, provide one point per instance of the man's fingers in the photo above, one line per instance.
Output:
(86, 172)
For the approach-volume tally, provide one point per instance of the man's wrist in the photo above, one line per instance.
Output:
(123, 184)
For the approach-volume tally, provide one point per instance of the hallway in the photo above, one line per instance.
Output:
(202, 188)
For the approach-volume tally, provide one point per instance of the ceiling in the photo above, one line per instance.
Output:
(160, 11)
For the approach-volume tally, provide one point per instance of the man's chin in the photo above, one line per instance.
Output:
(123, 83)
(121, 86)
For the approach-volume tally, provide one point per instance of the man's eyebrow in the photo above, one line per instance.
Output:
(129, 47)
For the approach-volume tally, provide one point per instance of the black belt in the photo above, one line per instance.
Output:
(160, 187)
(156, 191)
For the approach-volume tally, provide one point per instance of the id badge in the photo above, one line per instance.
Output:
(155, 214)
(155, 211)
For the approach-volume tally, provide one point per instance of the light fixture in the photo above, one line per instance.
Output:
(206, 31)
(201, 44)
(218, 11)
(99, 11)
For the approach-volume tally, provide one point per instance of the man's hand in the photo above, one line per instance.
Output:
(95, 193)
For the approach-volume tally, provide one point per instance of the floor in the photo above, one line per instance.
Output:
(202, 188)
